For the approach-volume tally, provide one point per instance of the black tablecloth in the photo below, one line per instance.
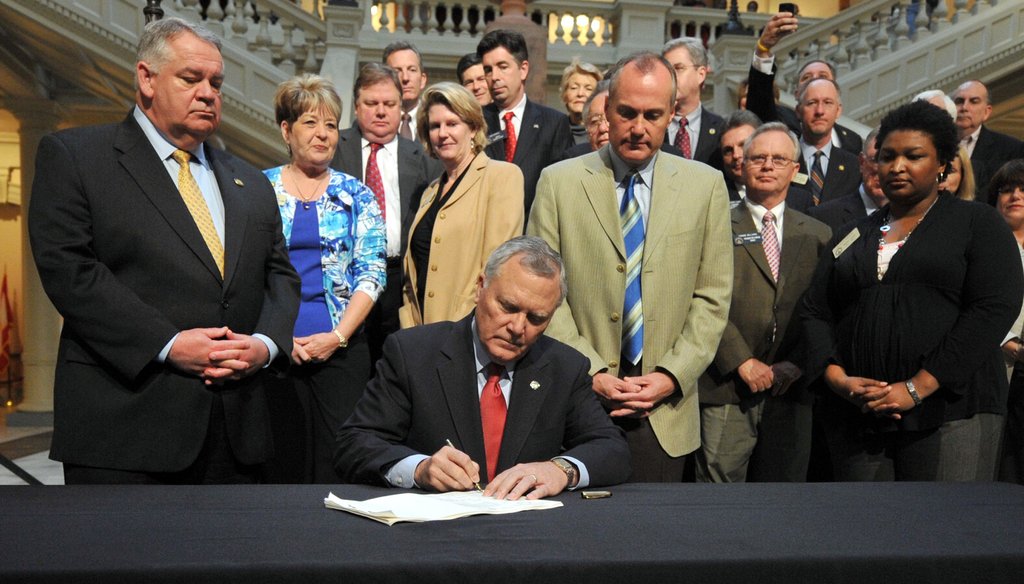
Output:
(898, 532)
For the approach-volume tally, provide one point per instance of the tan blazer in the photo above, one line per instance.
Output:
(485, 211)
(686, 274)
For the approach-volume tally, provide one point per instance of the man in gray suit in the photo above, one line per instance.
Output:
(400, 170)
(755, 423)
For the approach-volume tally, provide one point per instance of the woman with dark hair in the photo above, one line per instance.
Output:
(907, 313)
(1008, 185)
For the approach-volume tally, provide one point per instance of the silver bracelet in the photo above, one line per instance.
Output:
(913, 393)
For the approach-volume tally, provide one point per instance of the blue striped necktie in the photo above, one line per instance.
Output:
(633, 236)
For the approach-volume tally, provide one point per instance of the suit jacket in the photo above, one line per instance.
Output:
(798, 197)
(838, 212)
(415, 171)
(761, 101)
(124, 263)
(761, 323)
(686, 284)
(709, 144)
(992, 151)
(544, 135)
(425, 392)
(842, 177)
(485, 211)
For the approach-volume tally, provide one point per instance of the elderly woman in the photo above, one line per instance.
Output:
(335, 236)
(907, 312)
(1008, 185)
(959, 179)
(578, 82)
(475, 206)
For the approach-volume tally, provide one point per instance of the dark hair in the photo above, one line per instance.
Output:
(645, 62)
(401, 46)
(374, 73)
(921, 116)
(510, 40)
(1010, 174)
(830, 66)
(740, 118)
(467, 61)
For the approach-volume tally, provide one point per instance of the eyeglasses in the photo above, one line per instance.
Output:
(596, 121)
(761, 159)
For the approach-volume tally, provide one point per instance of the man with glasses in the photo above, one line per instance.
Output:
(755, 412)
(596, 123)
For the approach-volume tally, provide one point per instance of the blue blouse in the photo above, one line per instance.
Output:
(352, 238)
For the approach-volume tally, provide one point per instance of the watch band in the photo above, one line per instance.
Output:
(913, 393)
(569, 469)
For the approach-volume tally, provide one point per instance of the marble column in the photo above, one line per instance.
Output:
(40, 331)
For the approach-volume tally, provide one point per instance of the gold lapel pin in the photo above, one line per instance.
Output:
(535, 385)
(711, 131)
(842, 167)
(239, 182)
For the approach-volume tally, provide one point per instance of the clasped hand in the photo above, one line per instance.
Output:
(870, 395)
(632, 397)
(314, 348)
(217, 354)
(450, 469)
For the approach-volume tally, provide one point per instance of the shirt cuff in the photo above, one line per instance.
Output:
(764, 64)
(584, 481)
(271, 348)
(162, 355)
(1010, 336)
(402, 474)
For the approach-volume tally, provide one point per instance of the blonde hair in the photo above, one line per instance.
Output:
(576, 66)
(968, 187)
(304, 93)
(461, 102)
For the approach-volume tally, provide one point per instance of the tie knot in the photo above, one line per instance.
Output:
(374, 147)
(181, 157)
(769, 217)
(817, 155)
(508, 117)
(684, 122)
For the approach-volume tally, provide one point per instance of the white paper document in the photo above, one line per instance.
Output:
(417, 507)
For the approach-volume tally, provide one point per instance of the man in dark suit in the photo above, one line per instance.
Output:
(539, 135)
(404, 169)
(869, 198)
(831, 172)
(166, 259)
(755, 423)
(989, 150)
(694, 131)
(488, 391)
(761, 83)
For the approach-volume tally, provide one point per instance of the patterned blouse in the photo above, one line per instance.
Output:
(352, 238)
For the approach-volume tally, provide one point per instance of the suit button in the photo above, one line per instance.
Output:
(613, 363)
(615, 317)
(620, 268)
(430, 294)
(225, 305)
(441, 216)
(433, 268)
(437, 240)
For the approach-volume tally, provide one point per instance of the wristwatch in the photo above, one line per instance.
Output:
(913, 392)
(342, 340)
(569, 469)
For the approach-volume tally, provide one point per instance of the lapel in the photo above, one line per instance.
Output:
(529, 132)
(743, 223)
(837, 171)
(599, 184)
(667, 204)
(793, 240)
(525, 403)
(235, 211)
(407, 175)
(706, 138)
(495, 149)
(349, 158)
(474, 174)
(140, 161)
(456, 372)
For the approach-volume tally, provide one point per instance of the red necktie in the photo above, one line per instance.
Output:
(492, 416)
(510, 137)
(683, 139)
(374, 181)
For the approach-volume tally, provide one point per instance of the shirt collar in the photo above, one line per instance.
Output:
(757, 212)
(164, 147)
(517, 109)
(390, 147)
(620, 169)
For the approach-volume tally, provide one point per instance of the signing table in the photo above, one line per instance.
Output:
(898, 532)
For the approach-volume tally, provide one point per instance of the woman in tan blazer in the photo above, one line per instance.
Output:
(475, 206)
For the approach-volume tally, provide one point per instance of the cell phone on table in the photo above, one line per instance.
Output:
(789, 7)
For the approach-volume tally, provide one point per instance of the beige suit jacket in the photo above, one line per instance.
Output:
(485, 211)
(686, 277)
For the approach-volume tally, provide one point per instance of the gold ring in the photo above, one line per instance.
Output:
(534, 477)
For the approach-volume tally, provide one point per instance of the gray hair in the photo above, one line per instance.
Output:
(802, 91)
(698, 54)
(535, 256)
(740, 118)
(772, 127)
(869, 140)
(601, 87)
(946, 100)
(152, 48)
(401, 46)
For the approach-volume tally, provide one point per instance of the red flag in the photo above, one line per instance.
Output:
(6, 321)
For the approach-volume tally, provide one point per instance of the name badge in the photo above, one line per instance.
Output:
(745, 238)
(495, 137)
(845, 243)
(800, 178)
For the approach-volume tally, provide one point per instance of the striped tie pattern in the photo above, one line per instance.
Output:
(770, 240)
(817, 178)
(633, 236)
(193, 197)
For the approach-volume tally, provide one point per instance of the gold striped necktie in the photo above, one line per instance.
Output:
(193, 197)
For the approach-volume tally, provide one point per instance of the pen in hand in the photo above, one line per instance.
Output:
(477, 485)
